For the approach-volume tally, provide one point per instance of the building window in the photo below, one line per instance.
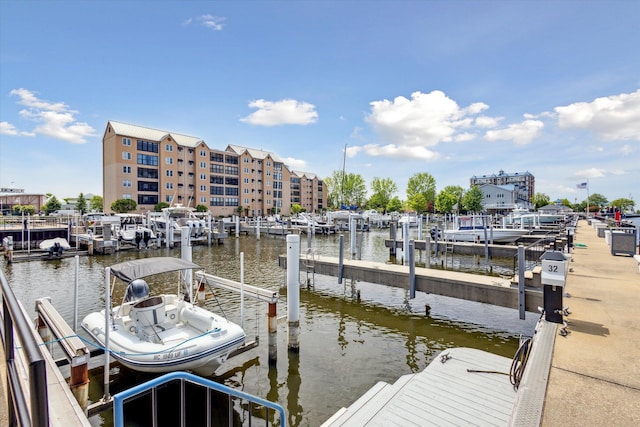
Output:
(126, 142)
(203, 199)
(126, 183)
(216, 169)
(126, 155)
(169, 173)
(126, 196)
(168, 160)
(147, 173)
(126, 169)
(216, 190)
(147, 199)
(203, 154)
(231, 191)
(231, 201)
(147, 159)
(231, 170)
(246, 201)
(216, 201)
(168, 198)
(147, 146)
(203, 176)
(203, 188)
(147, 186)
(232, 160)
(169, 186)
(216, 157)
(246, 191)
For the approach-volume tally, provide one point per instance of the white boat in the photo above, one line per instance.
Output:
(474, 229)
(56, 242)
(165, 332)
(526, 218)
(173, 218)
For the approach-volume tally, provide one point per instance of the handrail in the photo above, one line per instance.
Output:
(37, 412)
(120, 398)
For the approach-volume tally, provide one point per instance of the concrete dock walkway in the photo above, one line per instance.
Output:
(595, 370)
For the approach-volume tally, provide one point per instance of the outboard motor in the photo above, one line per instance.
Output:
(137, 290)
(435, 234)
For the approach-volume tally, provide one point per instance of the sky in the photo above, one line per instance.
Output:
(452, 88)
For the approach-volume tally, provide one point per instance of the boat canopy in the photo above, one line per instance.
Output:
(131, 270)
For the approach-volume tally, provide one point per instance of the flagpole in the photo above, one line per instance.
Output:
(587, 199)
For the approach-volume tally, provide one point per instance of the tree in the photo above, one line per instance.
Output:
(201, 208)
(448, 197)
(345, 189)
(296, 208)
(417, 203)
(81, 204)
(124, 205)
(421, 183)
(159, 206)
(382, 189)
(539, 200)
(95, 204)
(597, 201)
(625, 205)
(394, 205)
(52, 205)
(472, 199)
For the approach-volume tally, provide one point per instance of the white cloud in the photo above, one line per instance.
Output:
(397, 151)
(283, 112)
(613, 118)
(487, 122)
(295, 164)
(7, 128)
(211, 22)
(520, 133)
(55, 120)
(589, 173)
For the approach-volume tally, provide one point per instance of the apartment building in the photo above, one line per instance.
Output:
(523, 182)
(151, 166)
(308, 191)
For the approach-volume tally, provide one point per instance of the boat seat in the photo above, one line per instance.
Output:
(148, 312)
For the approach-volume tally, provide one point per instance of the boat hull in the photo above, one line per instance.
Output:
(180, 346)
(477, 236)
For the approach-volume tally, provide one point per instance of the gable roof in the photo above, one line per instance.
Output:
(253, 152)
(151, 134)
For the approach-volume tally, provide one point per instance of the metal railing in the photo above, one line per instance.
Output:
(532, 253)
(183, 377)
(36, 411)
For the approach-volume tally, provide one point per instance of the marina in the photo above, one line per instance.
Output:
(389, 334)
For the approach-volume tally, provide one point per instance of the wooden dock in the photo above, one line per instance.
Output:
(473, 287)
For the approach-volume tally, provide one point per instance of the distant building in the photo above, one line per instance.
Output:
(8, 201)
(151, 166)
(309, 191)
(503, 198)
(523, 185)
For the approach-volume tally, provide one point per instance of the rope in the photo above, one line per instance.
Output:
(519, 363)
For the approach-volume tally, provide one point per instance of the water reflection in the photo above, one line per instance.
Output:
(346, 345)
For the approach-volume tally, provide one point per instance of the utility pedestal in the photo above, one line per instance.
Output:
(553, 278)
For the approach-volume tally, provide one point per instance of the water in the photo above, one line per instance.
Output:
(346, 346)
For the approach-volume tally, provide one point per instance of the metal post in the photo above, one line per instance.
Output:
(272, 322)
(242, 290)
(420, 227)
(405, 242)
(412, 270)
(521, 293)
(75, 293)
(237, 226)
(293, 291)
(436, 238)
(258, 228)
(341, 259)
(107, 327)
(392, 232)
(352, 234)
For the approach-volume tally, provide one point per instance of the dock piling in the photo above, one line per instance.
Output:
(293, 291)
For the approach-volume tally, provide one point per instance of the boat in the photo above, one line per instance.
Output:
(474, 228)
(55, 246)
(173, 218)
(131, 230)
(526, 218)
(163, 332)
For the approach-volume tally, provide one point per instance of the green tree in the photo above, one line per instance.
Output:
(472, 199)
(448, 197)
(417, 203)
(81, 204)
(597, 201)
(201, 208)
(296, 209)
(383, 189)
(96, 204)
(539, 200)
(124, 205)
(346, 189)
(159, 206)
(52, 205)
(394, 205)
(425, 184)
(625, 205)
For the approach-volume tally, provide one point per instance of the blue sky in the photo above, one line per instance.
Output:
(452, 88)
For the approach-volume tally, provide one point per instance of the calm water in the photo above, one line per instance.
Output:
(346, 346)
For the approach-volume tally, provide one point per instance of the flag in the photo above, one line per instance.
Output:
(582, 185)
